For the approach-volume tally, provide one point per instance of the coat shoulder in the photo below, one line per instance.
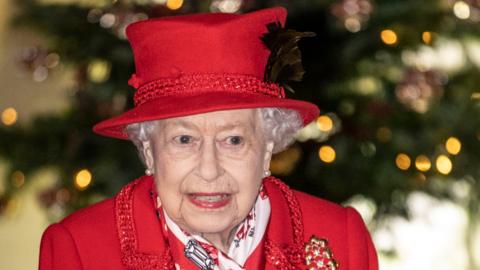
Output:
(316, 208)
(98, 214)
(93, 225)
(87, 237)
(342, 227)
(320, 214)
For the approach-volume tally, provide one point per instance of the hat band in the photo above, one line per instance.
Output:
(206, 83)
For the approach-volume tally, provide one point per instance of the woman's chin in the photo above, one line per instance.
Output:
(210, 222)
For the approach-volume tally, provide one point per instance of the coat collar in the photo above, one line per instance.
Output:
(143, 245)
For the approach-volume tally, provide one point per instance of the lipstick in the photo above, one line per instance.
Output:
(209, 200)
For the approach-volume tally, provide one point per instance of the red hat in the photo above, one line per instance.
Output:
(201, 63)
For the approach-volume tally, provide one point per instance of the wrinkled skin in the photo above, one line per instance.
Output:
(221, 152)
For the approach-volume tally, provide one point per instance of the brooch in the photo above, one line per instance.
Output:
(318, 255)
(198, 255)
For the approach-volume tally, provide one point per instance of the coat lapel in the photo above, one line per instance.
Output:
(141, 240)
(285, 236)
(143, 245)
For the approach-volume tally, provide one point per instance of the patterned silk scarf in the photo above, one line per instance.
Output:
(248, 236)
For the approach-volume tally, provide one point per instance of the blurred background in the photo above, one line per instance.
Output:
(398, 138)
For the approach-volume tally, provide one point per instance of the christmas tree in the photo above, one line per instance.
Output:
(396, 82)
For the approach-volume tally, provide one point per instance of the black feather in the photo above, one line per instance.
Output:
(285, 61)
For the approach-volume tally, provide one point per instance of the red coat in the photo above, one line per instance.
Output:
(124, 233)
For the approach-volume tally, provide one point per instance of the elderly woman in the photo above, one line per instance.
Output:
(206, 124)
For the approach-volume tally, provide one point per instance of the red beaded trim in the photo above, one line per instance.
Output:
(290, 256)
(205, 83)
(287, 257)
(131, 257)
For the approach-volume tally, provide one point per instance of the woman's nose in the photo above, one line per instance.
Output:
(209, 166)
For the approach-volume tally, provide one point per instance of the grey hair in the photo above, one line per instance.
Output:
(279, 126)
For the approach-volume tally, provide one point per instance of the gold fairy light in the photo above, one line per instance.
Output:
(427, 37)
(403, 161)
(18, 179)
(108, 20)
(324, 123)
(353, 24)
(475, 96)
(226, 6)
(423, 163)
(453, 146)
(9, 116)
(461, 10)
(98, 71)
(327, 154)
(83, 179)
(443, 164)
(174, 4)
(389, 37)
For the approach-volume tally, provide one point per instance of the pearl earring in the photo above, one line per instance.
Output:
(148, 172)
(267, 173)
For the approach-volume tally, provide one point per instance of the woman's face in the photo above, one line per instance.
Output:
(209, 167)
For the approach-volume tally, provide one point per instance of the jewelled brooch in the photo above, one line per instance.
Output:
(318, 255)
(198, 255)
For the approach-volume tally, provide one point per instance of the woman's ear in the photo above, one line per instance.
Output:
(268, 155)
(148, 154)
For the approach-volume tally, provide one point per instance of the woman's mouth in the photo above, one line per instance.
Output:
(209, 200)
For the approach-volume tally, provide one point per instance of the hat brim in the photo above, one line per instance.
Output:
(175, 106)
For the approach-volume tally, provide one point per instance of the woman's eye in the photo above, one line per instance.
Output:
(235, 140)
(183, 139)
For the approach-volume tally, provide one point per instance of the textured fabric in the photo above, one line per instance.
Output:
(88, 239)
(201, 63)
